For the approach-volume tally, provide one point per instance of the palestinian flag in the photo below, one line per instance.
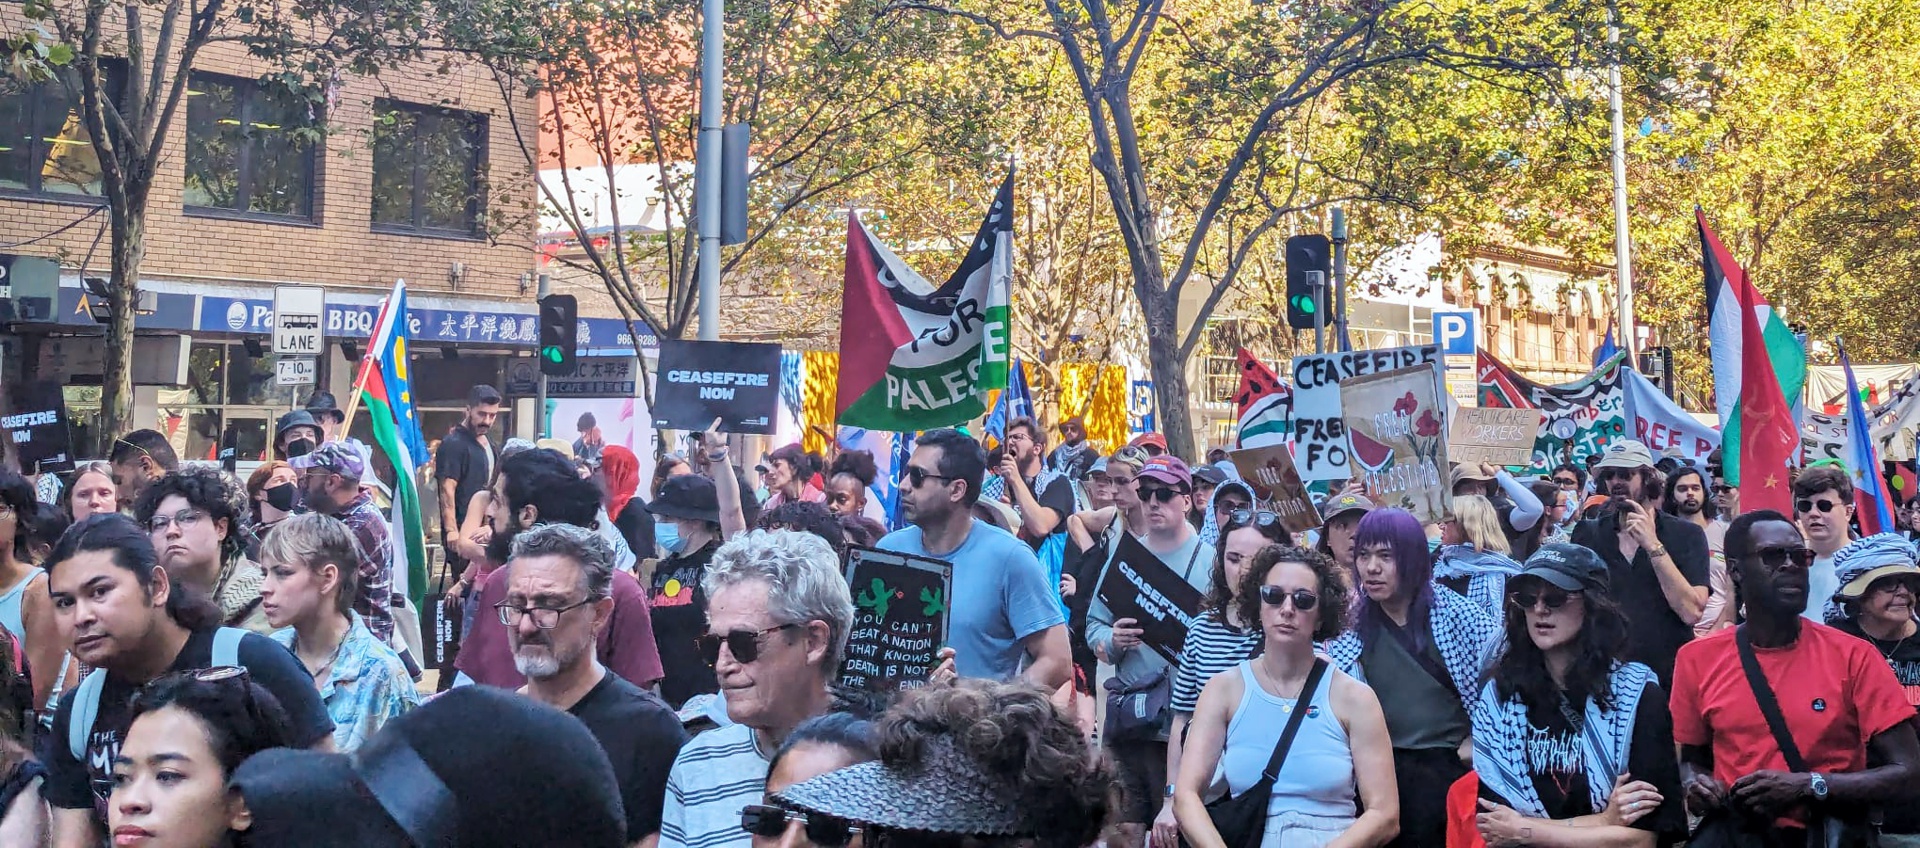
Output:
(1266, 404)
(386, 392)
(1759, 370)
(913, 357)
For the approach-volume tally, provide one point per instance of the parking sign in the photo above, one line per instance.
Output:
(1457, 333)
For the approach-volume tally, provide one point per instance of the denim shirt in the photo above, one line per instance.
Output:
(367, 686)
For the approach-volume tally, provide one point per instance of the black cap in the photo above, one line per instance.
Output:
(1209, 475)
(1571, 567)
(296, 418)
(687, 496)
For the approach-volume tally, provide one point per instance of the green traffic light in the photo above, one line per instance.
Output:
(1304, 304)
(553, 354)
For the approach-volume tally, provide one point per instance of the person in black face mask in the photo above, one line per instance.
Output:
(297, 434)
(273, 493)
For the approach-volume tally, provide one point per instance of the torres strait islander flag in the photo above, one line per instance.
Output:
(1266, 404)
(387, 393)
(1873, 500)
(1758, 369)
(913, 357)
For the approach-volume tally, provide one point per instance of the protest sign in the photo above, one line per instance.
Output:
(1398, 428)
(736, 382)
(1662, 425)
(1318, 429)
(1578, 419)
(1138, 585)
(38, 429)
(1499, 436)
(899, 618)
(1269, 471)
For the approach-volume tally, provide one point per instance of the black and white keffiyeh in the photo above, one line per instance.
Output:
(1463, 631)
(1487, 573)
(1501, 729)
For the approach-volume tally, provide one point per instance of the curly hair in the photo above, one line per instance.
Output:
(858, 464)
(1017, 737)
(807, 517)
(1219, 593)
(241, 718)
(204, 488)
(1334, 594)
(1521, 669)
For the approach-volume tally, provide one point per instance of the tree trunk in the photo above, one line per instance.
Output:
(1170, 393)
(116, 395)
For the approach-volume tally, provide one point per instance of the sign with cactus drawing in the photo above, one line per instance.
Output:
(899, 618)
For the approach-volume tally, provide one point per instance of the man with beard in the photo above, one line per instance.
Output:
(1658, 563)
(1688, 499)
(331, 483)
(1823, 505)
(559, 596)
(1042, 497)
(1074, 457)
(463, 466)
(539, 487)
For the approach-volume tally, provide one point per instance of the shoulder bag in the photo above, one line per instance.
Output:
(1241, 819)
(1825, 827)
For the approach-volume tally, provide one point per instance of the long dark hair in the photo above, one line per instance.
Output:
(1522, 668)
(1220, 595)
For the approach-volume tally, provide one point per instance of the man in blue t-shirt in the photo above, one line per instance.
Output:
(1005, 617)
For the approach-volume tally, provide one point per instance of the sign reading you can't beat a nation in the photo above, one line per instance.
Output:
(899, 618)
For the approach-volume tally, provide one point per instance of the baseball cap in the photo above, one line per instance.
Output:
(1209, 475)
(1571, 567)
(1167, 469)
(1149, 439)
(1099, 466)
(561, 446)
(1626, 453)
(1344, 503)
(345, 457)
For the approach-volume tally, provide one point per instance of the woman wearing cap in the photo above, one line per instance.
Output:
(979, 764)
(1572, 745)
(1419, 647)
(1341, 517)
(1474, 560)
(691, 504)
(1340, 753)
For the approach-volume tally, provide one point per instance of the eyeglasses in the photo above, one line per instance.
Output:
(1247, 517)
(1721, 488)
(1553, 596)
(1161, 494)
(187, 519)
(1811, 505)
(743, 644)
(545, 618)
(768, 822)
(1799, 555)
(917, 475)
(1304, 600)
(1131, 454)
(1566, 482)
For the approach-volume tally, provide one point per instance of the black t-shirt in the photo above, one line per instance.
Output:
(1557, 762)
(679, 620)
(1057, 496)
(641, 736)
(1904, 656)
(463, 459)
(635, 524)
(72, 785)
(1655, 634)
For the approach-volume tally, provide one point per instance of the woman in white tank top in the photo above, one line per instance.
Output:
(1341, 753)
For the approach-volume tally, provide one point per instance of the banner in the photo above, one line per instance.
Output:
(1270, 473)
(39, 429)
(1578, 419)
(1321, 453)
(899, 619)
(1137, 585)
(913, 357)
(1264, 404)
(1397, 425)
(1487, 434)
(736, 382)
(1662, 425)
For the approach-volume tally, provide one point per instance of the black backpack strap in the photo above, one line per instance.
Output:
(1769, 706)
(1300, 707)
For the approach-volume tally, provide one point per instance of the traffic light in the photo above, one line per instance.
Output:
(559, 329)
(1309, 263)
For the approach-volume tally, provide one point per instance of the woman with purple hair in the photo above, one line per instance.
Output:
(1421, 650)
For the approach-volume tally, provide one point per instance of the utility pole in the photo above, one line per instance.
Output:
(1622, 246)
(1340, 341)
(540, 429)
(707, 165)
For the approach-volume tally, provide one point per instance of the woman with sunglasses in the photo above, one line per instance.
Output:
(1341, 751)
(824, 744)
(190, 731)
(1219, 639)
(1572, 745)
(1474, 559)
(1419, 646)
(1878, 583)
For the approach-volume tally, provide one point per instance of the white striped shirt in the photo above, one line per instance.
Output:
(1211, 647)
(717, 775)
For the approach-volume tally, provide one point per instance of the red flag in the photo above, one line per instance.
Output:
(1768, 441)
(871, 329)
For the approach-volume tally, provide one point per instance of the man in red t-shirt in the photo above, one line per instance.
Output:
(1841, 703)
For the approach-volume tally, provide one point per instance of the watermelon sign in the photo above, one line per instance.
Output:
(1396, 422)
(1322, 449)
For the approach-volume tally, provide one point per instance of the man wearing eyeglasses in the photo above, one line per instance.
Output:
(1845, 739)
(1041, 496)
(1823, 507)
(559, 599)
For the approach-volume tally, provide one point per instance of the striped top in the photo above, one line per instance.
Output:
(1211, 647)
(717, 775)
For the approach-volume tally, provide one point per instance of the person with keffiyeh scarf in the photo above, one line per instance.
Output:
(1474, 560)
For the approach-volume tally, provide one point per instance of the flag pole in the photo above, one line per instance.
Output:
(360, 382)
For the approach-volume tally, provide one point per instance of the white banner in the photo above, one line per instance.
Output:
(1662, 425)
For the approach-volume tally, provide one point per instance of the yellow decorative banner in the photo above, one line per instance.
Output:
(1098, 392)
(819, 385)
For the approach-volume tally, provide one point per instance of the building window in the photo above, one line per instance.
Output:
(426, 169)
(44, 144)
(250, 149)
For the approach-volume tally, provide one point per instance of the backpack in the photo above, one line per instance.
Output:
(86, 696)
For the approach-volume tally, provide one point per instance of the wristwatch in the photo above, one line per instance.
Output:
(1170, 790)
(1819, 782)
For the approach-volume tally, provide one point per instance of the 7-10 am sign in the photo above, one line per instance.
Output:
(297, 315)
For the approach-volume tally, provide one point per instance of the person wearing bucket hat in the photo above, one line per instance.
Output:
(1878, 583)
(327, 411)
(296, 434)
(541, 780)
(977, 763)
(1559, 676)
(691, 503)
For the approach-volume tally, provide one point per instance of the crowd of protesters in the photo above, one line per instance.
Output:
(1606, 654)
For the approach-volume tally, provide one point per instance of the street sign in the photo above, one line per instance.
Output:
(1456, 332)
(297, 314)
(295, 371)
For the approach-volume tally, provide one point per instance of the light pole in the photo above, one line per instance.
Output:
(706, 165)
(1622, 244)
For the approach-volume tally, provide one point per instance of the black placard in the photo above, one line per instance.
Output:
(38, 428)
(1138, 585)
(736, 382)
(899, 618)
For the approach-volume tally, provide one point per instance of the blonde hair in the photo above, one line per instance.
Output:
(311, 540)
(1479, 521)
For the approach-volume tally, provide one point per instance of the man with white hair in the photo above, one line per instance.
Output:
(778, 612)
(559, 598)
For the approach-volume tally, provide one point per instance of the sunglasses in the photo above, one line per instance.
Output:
(743, 644)
(1249, 517)
(769, 822)
(1161, 494)
(1811, 505)
(1799, 555)
(1304, 600)
(917, 475)
(1553, 596)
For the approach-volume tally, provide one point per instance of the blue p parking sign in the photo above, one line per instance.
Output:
(1456, 333)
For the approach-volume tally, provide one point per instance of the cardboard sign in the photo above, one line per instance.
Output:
(900, 612)
(39, 429)
(1397, 425)
(1270, 473)
(1499, 436)
(1318, 427)
(736, 382)
(1138, 585)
